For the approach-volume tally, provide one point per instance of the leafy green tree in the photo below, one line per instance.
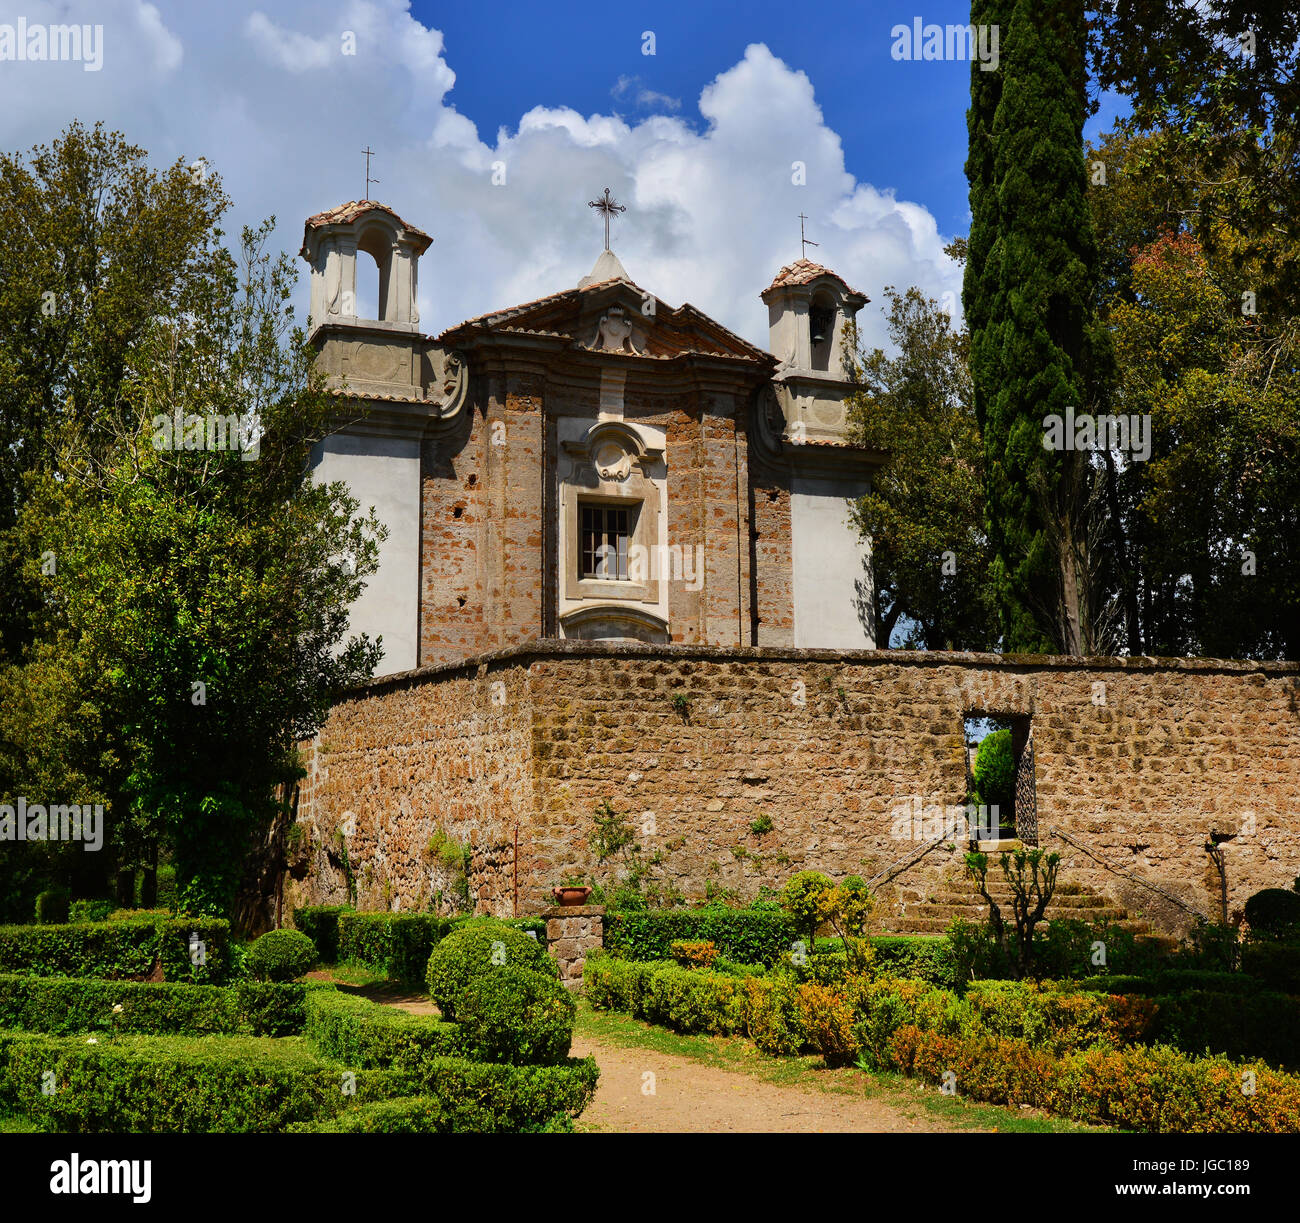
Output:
(1035, 347)
(995, 773)
(925, 511)
(195, 611)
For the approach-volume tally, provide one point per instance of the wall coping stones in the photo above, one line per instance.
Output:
(543, 650)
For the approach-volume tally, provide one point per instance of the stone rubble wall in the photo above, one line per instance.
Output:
(850, 755)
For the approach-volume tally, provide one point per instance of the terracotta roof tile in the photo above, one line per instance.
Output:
(805, 271)
(345, 214)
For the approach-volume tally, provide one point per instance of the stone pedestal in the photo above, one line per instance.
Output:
(572, 933)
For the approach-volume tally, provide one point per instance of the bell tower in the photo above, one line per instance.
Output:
(332, 242)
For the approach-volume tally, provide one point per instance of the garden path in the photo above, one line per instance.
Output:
(691, 1097)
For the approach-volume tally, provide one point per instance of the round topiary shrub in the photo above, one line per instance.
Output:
(281, 955)
(1274, 913)
(476, 948)
(516, 1015)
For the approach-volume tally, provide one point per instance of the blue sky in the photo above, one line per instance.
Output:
(493, 125)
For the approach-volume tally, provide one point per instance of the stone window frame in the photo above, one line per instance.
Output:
(626, 484)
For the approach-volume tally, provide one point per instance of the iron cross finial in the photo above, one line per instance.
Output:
(610, 207)
(369, 152)
(804, 243)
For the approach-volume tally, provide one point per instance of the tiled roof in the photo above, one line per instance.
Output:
(345, 214)
(805, 271)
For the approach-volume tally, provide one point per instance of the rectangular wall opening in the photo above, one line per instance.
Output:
(1000, 777)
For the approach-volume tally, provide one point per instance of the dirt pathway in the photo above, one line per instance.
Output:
(690, 1098)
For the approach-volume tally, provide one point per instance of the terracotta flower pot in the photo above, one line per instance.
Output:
(571, 895)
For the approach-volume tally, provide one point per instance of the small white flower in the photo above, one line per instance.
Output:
(117, 1008)
(92, 1041)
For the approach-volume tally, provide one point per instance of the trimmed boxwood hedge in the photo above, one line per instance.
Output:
(396, 944)
(320, 923)
(460, 1097)
(362, 1033)
(63, 1006)
(117, 950)
(752, 937)
(171, 1084)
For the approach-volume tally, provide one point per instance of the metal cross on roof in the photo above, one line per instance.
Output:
(607, 205)
(369, 152)
(804, 243)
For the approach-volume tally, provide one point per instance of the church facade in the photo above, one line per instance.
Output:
(597, 464)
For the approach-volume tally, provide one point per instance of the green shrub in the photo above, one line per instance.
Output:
(475, 948)
(803, 898)
(516, 1015)
(89, 910)
(320, 923)
(361, 1033)
(281, 955)
(121, 949)
(745, 935)
(395, 944)
(461, 1097)
(171, 1084)
(926, 957)
(1273, 913)
(1275, 965)
(63, 1006)
(52, 907)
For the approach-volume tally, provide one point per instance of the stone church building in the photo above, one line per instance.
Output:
(620, 571)
(597, 464)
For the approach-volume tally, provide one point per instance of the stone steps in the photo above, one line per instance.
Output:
(931, 912)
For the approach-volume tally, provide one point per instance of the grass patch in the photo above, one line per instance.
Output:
(739, 1055)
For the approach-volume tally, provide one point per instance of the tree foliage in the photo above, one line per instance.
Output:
(184, 609)
(924, 513)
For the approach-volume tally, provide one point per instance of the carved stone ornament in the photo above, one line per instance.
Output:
(614, 333)
(450, 385)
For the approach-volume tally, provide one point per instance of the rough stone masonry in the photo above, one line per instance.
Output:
(1138, 760)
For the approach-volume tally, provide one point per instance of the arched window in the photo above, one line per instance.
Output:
(372, 274)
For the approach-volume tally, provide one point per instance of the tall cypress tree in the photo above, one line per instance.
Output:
(1027, 296)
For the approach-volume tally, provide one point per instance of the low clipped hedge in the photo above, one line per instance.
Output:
(1148, 1090)
(398, 944)
(395, 944)
(117, 950)
(62, 1006)
(479, 1098)
(184, 1085)
(361, 1033)
(1069, 1051)
(1173, 981)
(320, 923)
(749, 936)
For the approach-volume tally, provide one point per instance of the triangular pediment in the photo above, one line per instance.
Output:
(615, 316)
